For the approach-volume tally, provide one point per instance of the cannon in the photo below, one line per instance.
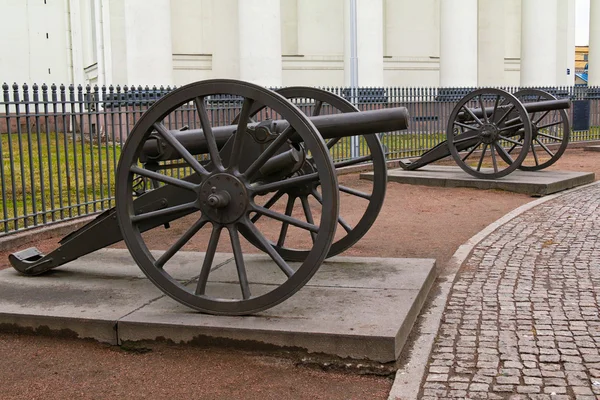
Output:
(528, 130)
(227, 177)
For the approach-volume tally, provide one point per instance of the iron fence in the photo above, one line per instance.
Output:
(61, 144)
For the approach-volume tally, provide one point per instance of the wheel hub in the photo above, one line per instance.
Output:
(223, 198)
(489, 133)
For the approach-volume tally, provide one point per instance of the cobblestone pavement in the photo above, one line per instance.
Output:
(522, 319)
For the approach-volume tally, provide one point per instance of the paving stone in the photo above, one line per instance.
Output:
(522, 318)
(528, 389)
(555, 390)
(479, 387)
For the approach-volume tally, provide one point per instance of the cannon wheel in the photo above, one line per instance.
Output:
(223, 196)
(375, 199)
(557, 121)
(470, 137)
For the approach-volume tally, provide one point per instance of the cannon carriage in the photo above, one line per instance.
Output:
(229, 176)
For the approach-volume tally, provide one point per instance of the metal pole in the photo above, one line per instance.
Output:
(354, 140)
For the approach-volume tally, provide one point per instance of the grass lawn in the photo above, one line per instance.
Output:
(50, 176)
(46, 172)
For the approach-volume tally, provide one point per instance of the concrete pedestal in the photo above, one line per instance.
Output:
(534, 183)
(361, 308)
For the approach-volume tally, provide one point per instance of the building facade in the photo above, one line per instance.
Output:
(294, 42)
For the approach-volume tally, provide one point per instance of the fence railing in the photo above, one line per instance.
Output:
(61, 144)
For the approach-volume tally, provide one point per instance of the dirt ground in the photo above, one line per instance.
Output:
(415, 221)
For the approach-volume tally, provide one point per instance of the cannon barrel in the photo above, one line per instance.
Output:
(540, 106)
(329, 126)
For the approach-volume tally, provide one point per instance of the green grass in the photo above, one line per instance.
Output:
(50, 171)
(396, 145)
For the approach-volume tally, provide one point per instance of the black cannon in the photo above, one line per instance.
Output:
(230, 172)
(528, 130)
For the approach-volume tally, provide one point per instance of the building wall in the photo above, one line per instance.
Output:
(34, 44)
(205, 42)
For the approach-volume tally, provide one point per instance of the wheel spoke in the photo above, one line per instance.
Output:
(535, 157)
(286, 183)
(208, 259)
(285, 218)
(516, 143)
(470, 112)
(341, 221)
(354, 192)
(284, 226)
(542, 117)
(512, 127)
(558, 139)
(504, 152)
(483, 110)
(308, 215)
(162, 178)
(549, 125)
(472, 135)
(317, 109)
(287, 270)
(466, 126)
(493, 116)
(166, 256)
(185, 154)
(544, 147)
(240, 133)
(164, 212)
(239, 261)
(269, 204)
(494, 161)
(482, 156)
(333, 142)
(472, 150)
(510, 108)
(213, 150)
(269, 152)
(353, 161)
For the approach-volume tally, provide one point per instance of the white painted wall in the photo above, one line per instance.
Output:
(491, 43)
(411, 44)
(260, 41)
(538, 46)
(594, 56)
(192, 33)
(458, 43)
(225, 52)
(149, 57)
(34, 42)
(565, 43)
(117, 41)
(369, 40)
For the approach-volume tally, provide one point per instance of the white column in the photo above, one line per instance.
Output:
(594, 55)
(148, 37)
(106, 41)
(539, 21)
(99, 34)
(260, 41)
(78, 76)
(491, 43)
(458, 43)
(225, 53)
(565, 43)
(369, 42)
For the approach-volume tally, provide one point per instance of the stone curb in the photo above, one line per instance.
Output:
(407, 382)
